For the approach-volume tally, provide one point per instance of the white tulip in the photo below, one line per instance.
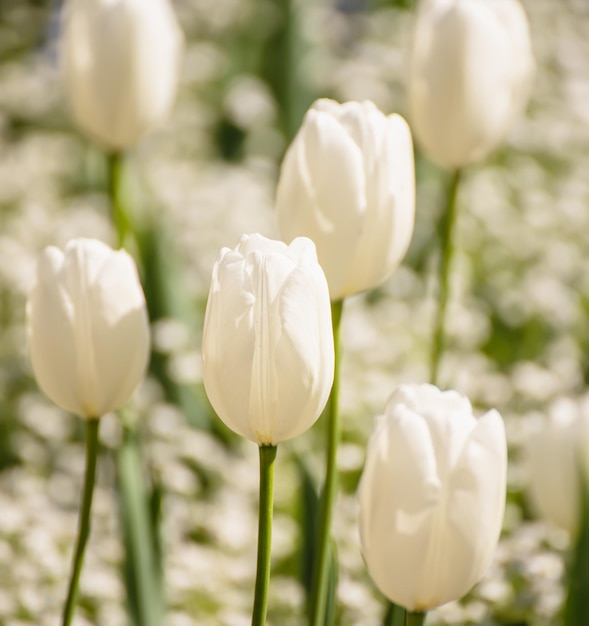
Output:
(557, 453)
(432, 496)
(87, 327)
(268, 354)
(348, 183)
(121, 63)
(470, 74)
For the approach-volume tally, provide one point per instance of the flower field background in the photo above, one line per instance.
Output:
(518, 320)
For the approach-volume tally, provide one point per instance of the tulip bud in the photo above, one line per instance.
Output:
(470, 73)
(348, 183)
(87, 327)
(121, 61)
(557, 453)
(432, 496)
(268, 355)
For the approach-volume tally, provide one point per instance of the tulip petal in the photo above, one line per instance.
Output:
(399, 515)
(477, 503)
(321, 193)
(228, 342)
(390, 217)
(305, 353)
(83, 260)
(120, 332)
(50, 335)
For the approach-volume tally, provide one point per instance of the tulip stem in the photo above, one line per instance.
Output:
(320, 579)
(267, 457)
(84, 524)
(445, 233)
(120, 219)
(395, 615)
(414, 619)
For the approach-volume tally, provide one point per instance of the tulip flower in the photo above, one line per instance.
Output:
(268, 356)
(557, 453)
(470, 72)
(347, 182)
(121, 62)
(87, 327)
(431, 496)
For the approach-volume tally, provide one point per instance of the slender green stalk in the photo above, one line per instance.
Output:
(445, 233)
(84, 524)
(267, 457)
(414, 619)
(120, 219)
(320, 584)
(395, 615)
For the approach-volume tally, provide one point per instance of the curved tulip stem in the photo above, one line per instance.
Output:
(267, 457)
(320, 579)
(84, 525)
(414, 619)
(445, 234)
(120, 219)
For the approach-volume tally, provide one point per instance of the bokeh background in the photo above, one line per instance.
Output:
(518, 322)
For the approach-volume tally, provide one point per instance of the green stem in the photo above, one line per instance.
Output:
(320, 579)
(395, 615)
(414, 619)
(267, 457)
(84, 524)
(115, 192)
(446, 229)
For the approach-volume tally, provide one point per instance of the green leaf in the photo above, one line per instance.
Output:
(308, 522)
(142, 565)
(577, 603)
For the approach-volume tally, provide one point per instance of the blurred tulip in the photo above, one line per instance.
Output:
(556, 454)
(348, 183)
(470, 74)
(268, 355)
(431, 496)
(87, 327)
(121, 62)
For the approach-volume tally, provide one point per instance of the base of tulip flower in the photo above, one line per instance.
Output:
(414, 619)
(394, 616)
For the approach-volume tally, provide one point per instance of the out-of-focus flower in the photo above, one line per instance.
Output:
(470, 74)
(432, 496)
(557, 453)
(268, 354)
(120, 61)
(348, 183)
(87, 327)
